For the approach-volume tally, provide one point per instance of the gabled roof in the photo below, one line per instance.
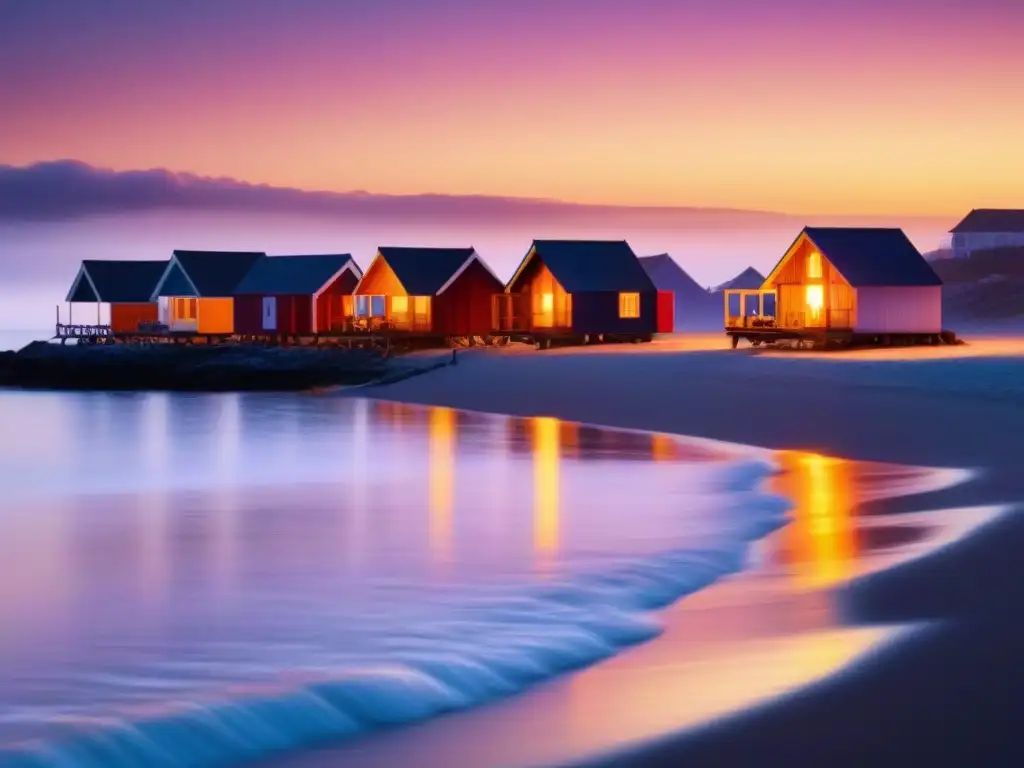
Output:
(428, 271)
(581, 266)
(206, 274)
(667, 275)
(998, 220)
(868, 256)
(116, 282)
(295, 275)
(748, 279)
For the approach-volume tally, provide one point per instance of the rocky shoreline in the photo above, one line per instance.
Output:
(41, 365)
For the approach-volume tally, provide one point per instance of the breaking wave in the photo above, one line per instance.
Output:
(483, 643)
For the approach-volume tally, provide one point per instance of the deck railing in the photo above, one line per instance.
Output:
(417, 324)
(750, 308)
(72, 331)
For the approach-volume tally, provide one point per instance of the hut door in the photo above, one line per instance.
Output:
(815, 310)
(269, 313)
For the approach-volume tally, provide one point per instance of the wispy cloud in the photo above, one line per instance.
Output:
(65, 189)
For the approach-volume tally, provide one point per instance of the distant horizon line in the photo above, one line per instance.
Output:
(71, 188)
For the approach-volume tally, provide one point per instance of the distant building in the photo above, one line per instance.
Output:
(694, 306)
(748, 279)
(985, 228)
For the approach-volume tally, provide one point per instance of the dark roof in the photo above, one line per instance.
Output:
(667, 275)
(213, 273)
(294, 275)
(424, 271)
(992, 220)
(116, 282)
(581, 266)
(879, 257)
(749, 279)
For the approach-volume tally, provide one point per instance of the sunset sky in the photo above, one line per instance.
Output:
(806, 106)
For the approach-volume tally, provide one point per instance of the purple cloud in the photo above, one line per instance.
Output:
(65, 189)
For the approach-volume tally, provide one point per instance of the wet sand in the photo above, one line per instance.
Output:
(945, 693)
(758, 635)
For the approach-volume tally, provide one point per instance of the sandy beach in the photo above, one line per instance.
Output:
(942, 677)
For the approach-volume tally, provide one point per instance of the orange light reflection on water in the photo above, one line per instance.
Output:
(663, 447)
(442, 479)
(546, 444)
(819, 545)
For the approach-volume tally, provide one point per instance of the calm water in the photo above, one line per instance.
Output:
(205, 580)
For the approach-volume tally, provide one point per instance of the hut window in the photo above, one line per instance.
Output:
(814, 265)
(629, 305)
(547, 302)
(399, 305)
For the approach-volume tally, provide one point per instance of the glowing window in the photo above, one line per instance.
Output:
(815, 295)
(629, 305)
(814, 265)
(185, 309)
(421, 305)
(547, 302)
(399, 304)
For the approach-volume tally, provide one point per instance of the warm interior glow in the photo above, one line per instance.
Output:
(815, 295)
(421, 306)
(814, 265)
(442, 471)
(546, 432)
(185, 309)
(547, 302)
(629, 305)
(399, 305)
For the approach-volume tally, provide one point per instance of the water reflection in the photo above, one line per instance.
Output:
(247, 530)
(547, 439)
(663, 447)
(590, 443)
(442, 479)
(820, 545)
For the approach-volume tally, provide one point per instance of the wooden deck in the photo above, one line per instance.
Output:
(821, 338)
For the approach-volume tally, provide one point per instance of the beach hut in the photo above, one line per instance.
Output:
(296, 295)
(580, 288)
(847, 281)
(196, 290)
(436, 291)
(127, 286)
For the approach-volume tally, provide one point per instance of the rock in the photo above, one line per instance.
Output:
(185, 367)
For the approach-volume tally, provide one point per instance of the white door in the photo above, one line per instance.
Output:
(269, 313)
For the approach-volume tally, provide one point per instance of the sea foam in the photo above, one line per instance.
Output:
(488, 642)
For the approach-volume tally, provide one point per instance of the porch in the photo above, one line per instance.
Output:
(529, 312)
(378, 312)
(797, 308)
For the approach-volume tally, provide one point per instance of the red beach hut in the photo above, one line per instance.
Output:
(437, 291)
(296, 295)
